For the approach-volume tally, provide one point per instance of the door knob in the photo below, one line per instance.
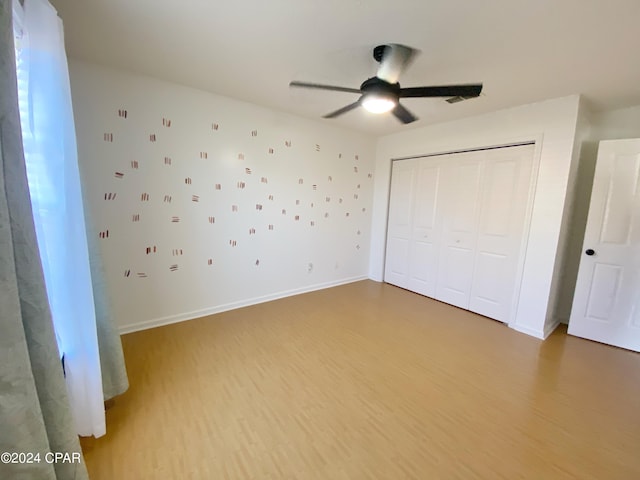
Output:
(590, 251)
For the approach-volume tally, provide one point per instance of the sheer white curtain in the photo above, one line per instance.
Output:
(56, 197)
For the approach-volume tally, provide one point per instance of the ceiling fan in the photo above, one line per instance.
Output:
(382, 93)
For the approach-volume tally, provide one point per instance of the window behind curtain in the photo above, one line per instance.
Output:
(37, 179)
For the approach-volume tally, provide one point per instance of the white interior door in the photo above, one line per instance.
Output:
(400, 223)
(459, 200)
(606, 305)
(506, 179)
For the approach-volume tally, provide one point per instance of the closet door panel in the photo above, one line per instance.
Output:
(400, 223)
(503, 202)
(424, 236)
(459, 200)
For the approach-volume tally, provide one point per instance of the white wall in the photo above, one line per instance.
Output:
(312, 183)
(573, 222)
(616, 124)
(553, 125)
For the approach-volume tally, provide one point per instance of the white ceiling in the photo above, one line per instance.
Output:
(523, 51)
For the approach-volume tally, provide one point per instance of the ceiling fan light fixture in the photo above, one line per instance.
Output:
(378, 104)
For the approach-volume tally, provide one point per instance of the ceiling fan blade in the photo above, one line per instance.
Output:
(342, 110)
(319, 86)
(472, 90)
(395, 60)
(404, 115)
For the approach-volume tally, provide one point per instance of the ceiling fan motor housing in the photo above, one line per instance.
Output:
(377, 87)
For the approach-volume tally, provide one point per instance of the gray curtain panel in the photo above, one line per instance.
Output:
(34, 409)
(114, 373)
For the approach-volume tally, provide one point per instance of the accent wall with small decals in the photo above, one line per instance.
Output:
(202, 203)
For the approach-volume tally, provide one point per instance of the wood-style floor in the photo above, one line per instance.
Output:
(368, 381)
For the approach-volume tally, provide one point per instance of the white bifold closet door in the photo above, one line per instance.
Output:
(456, 227)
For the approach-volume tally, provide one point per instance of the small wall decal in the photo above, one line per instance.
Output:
(241, 156)
(215, 126)
(254, 133)
(234, 208)
(173, 268)
(300, 181)
(355, 196)
(284, 211)
(195, 198)
(357, 157)
(252, 231)
(271, 226)
(270, 197)
(326, 214)
(104, 234)
(358, 232)
(340, 200)
(122, 113)
(176, 252)
(141, 275)
(270, 151)
(358, 247)
(212, 220)
(312, 223)
(257, 263)
(339, 155)
(108, 137)
(370, 175)
(327, 199)
(210, 261)
(167, 199)
(296, 218)
(330, 178)
(247, 171)
(175, 219)
(109, 196)
(152, 137)
(166, 122)
(127, 273)
(167, 160)
(134, 164)
(135, 217)
(358, 186)
(241, 185)
(355, 169)
(347, 214)
(204, 155)
(218, 186)
(314, 186)
(264, 180)
(364, 209)
(317, 147)
(233, 243)
(118, 174)
(153, 249)
(287, 143)
(297, 202)
(258, 206)
(144, 197)
(188, 181)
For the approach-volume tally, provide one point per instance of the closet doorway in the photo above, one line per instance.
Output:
(457, 227)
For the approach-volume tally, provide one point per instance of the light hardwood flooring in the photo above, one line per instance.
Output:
(368, 381)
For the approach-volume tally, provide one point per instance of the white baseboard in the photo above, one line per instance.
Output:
(541, 334)
(181, 317)
(529, 331)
